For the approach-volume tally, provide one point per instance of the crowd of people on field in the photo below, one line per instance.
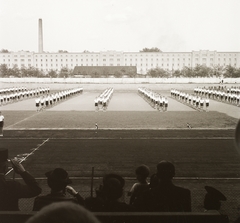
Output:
(14, 94)
(49, 100)
(102, 100)
(229, 95)
(156, 100)
(192, 100)
(159, 194)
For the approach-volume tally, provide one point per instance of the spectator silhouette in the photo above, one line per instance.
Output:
(58, 181)
(11, 191)
(63, 212)
(142, 173)
(164, 197)
(213, 198)
(108, 196)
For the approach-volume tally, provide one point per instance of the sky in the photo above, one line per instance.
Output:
(121, 25)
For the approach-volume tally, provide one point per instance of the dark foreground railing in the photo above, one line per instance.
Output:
(132, 217)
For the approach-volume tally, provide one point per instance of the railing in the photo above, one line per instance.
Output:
(132, 217)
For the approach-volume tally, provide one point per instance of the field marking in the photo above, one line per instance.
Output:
(99, 129)
(22, 120)
(38, 146)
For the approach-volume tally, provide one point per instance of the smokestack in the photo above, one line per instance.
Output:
(40, 36)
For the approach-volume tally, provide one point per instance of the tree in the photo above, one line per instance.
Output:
(117, 74)
(201, 71)
(177, 73)
(187, 72)
(15, 72)
(157, 72)
(4, 51)
(229, 71)
(132, 74)
(32, 72)
(24, 72)
(52, 73)
(3, 70)
(237, 73)
(217, 70)
(153, 49)
(64, 72)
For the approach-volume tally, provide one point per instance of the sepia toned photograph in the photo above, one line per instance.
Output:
(116, 111)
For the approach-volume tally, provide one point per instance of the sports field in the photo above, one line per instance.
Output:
(130, 133)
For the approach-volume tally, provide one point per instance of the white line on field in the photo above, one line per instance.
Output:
(39, 145)
(9, 127)
(137, 129)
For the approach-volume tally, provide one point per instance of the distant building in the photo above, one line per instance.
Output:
(143, 61)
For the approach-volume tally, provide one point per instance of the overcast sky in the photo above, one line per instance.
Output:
(122, 25)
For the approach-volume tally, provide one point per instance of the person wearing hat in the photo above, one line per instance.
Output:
(108, 196)
(164, 197)
(58, 180)
(10, 190)
(213, 198)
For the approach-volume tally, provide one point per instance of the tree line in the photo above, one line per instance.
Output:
(198, 71)
(32, 72)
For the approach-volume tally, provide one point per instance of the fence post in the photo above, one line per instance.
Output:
(92, 182)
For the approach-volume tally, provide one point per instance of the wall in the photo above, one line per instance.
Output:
(121, 80)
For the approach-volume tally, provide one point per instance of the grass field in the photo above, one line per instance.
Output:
(130, 133)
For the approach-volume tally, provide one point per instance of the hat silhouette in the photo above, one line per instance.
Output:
(212, 198)
(113, 186)
(111, 176)
(57, 179)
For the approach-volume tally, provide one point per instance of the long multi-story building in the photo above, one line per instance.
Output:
(143, 61)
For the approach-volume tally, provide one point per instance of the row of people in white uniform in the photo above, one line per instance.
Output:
(22, 94)
(232, 96)
(155, 99)
(190, 99)
(54, 98)
(12, 90)
(227, 89)
(102, 100)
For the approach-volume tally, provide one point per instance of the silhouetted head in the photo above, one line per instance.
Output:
(63, 212)
(58, 179)
(165, 170)
(213, 198)
(112, 186)
(142, 172)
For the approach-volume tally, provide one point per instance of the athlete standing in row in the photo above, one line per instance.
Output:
(1, 123)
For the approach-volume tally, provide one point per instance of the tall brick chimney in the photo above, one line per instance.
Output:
(40, 36)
